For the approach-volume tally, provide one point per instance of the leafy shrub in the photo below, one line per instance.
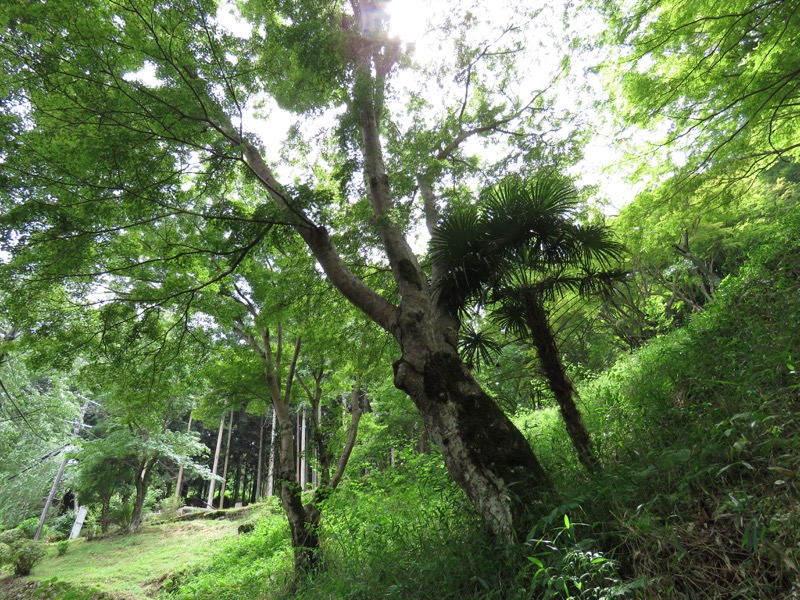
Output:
(61, 526)
(121, 512)
(170, 506)
(5, 553)
(29, 527)
(27, 554)
(62, 547)
(569, 567)
(11, 536)
(22, 554)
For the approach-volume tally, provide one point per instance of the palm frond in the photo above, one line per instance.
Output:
(477, 347)
(522, 234)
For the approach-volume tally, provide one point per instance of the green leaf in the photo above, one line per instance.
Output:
(536, 561)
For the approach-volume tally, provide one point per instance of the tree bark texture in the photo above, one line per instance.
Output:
(484, 453)
(560, 384)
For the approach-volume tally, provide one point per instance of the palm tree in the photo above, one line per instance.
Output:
(516, 252)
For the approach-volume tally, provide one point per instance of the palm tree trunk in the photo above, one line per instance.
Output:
(560, 384)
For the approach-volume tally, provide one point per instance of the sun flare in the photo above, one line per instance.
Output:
(408, 19)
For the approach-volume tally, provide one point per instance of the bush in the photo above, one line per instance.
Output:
(170, 506)
(19, 552)
(61, 526)
(29, 527)
(11, 536)
(120, 513)
(62, 547)
(27, 554)
(5, 554)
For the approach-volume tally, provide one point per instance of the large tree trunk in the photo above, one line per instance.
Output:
(485, 454)
(560, 384)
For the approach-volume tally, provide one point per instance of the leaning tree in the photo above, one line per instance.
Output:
(517, 251)
(130, 154)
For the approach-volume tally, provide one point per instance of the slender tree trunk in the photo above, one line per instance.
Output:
(561, 386)
(210, 501)
(260, 467)
(319, 448)
(225, 466)
(352, 433)
(321, 474)
(105, 514)
(237, 479)
(245, 482)
(141, 483)
(272, 451)
(179, 483)
(303, 526)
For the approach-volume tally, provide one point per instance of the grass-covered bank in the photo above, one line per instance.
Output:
(128, 566)
(699, 433)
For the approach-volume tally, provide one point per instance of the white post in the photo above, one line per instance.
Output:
(79, 519)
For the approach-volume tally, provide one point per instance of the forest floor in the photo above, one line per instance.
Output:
(128, 567)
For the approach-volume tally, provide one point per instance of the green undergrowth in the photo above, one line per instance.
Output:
(252, 565)
(407, 532)
(699, 434)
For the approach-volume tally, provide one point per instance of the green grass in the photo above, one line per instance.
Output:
(134, 565)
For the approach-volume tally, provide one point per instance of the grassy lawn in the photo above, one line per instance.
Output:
(133, 565)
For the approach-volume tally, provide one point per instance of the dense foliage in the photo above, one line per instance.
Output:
(421, 358)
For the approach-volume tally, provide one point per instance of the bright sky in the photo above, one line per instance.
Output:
(410, 21)
(602, 165)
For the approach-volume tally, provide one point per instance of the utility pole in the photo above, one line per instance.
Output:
(60, 474)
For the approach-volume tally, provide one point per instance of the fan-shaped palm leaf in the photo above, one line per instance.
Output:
(477, 347)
